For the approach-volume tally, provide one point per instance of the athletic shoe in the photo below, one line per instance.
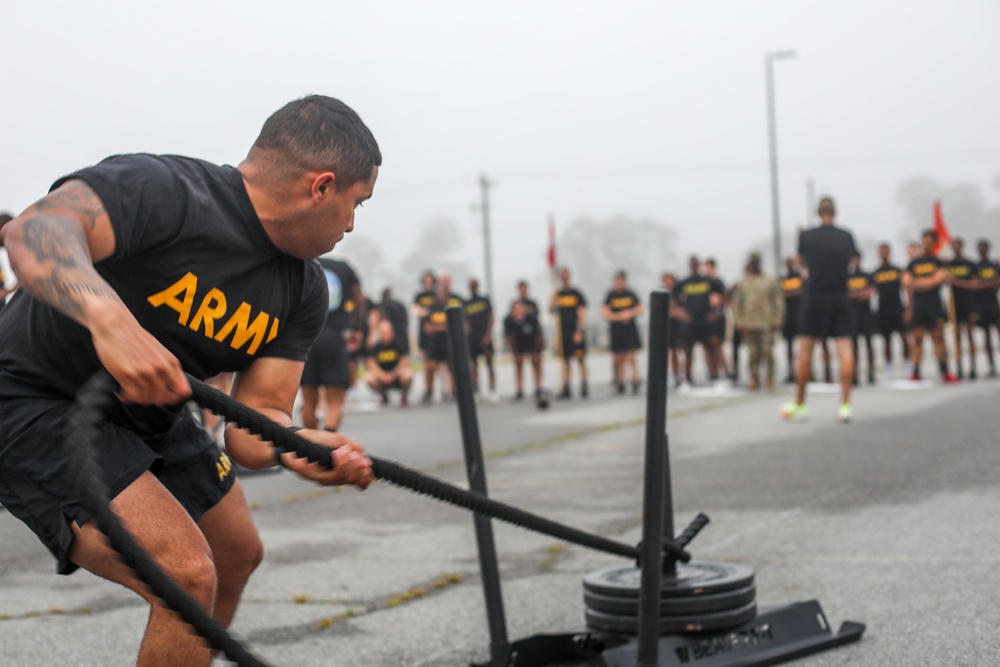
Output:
(844, 413)
(427, 399)
(915, 377)
(793, 411)
(565, 394)
(635, 387)
(620, 389)
(519, 396)
(583, 389)
(948, 378)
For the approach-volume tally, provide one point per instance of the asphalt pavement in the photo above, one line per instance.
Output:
(890, 521)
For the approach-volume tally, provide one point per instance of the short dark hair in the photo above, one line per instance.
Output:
(621, 274)
(319, 132)
(5, 218)
(930, 232)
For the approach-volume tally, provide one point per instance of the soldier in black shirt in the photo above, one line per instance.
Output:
(422, 303)
(571, 307)
(394, 311)
(328, 366)
(149, 266)
(479, 315)
(962, 278)
(988, 281)
(621, 307)
(699, 296)
(388, 365)
(524, 337)
(436, 329)
(530, 307)
(826, 311)
(860, 289)
(888, 280)
(792, 284)
(925, 314)
(677, 317)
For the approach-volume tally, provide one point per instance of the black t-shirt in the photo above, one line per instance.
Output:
(791, 289)
(987, 270)
(436, 315)
(925, 267)
(694, 293)
(193, 264)
(425, 300)
(340, 283)
(395, 312)
(477, 313)
(963, 269)
(888, 279)
(827, 252)
(530, 307)
(386, 355)
(568, 301)
(859, 280)
(618, 301)
(524, 332)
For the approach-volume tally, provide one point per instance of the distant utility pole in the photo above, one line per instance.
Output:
(484, 206)
(769, 59)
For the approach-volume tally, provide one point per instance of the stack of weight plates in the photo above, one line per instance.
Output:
(702, 597)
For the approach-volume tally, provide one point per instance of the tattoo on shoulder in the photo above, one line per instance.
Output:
(77, 197)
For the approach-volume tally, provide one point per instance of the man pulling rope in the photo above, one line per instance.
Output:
(150, 266)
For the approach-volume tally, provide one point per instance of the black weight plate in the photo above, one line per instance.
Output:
(716, 620)
(693, 579)
(699, 604)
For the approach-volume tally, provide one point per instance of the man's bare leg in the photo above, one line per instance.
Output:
(335, 397)
(310, 403)
(804, 372)
(236, 549)
(846, 360)
(164, 529)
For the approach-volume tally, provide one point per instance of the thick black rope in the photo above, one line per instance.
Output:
(286, 440)
(93, 401)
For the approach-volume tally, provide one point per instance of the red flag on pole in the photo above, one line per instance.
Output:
(552, 243)
(944, 236)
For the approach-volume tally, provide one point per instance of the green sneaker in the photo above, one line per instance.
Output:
(793, 411)
(844, 413)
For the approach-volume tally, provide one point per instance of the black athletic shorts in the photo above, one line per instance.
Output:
(989, 312)
(437, 347)
(864, 320)
(717, 330)
(927, 315)
(674, 337)
(696, 331)
(965, 308)
(890, 322)
(625, 337)
(572, 349)
(790, 327)
(36, 483)
(422, 338)
(477, 349)
(327, 363)
(826, 315)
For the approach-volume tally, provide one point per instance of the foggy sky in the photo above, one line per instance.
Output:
(651, 110)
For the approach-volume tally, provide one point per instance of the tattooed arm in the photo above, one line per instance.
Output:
(52, 248)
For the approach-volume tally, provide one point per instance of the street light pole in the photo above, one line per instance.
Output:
(484, 207)
(769, 59)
